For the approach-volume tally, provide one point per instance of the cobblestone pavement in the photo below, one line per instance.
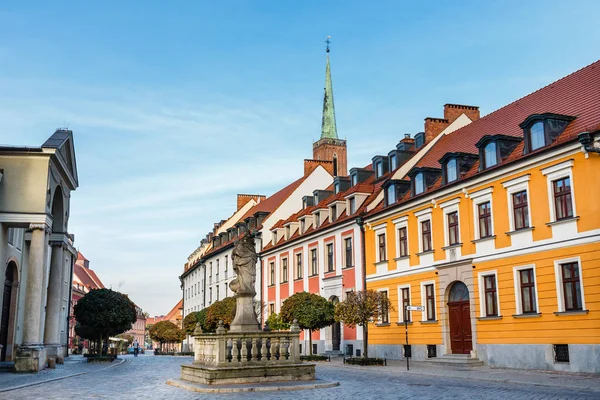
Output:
(144, 377)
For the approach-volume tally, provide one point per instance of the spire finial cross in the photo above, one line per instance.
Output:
(328, 42)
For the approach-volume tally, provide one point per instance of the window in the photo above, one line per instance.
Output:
(217, 274)
(381, 247)
(490, 296)
(403, 242)
(561, 353)
(405, 296)
(419, 183)
(348, 252)
(352, 205)
(520, 210)
(571, 286)
(354, 179)
(385, 316)
(536, 134)
(271, 308)
(210, 295)
(563, 207)
(426, 235)
(313, 262)
(453, 228)
(299, 266)
(451, 175)
(317, 219)
(284, 270)
(11, 236)
(393, 162)
(490, 155)
(330, 267)
(333, 212)
(430, 302)
(379, 169)
(287, 232)
(391, 194)
(485, 219)
(272, 273)
(226, 265)
(527, 291)
(336, 187)
(217, 290)
(274, 237)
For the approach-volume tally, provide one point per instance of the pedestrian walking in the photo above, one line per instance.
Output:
(136, 348)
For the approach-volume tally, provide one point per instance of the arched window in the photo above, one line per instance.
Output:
(451, 170)
(458, 292)
(391, 194)
(490, 155)
(536, 135)
(419, 183)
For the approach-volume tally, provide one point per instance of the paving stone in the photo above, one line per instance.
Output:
(145, 377)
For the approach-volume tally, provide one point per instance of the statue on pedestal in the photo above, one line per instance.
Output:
(244, 258)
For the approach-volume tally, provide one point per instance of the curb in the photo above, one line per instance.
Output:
(198, 388)
(120, 361)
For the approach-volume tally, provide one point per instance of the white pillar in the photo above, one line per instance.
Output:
(33, 293)
(53, 304)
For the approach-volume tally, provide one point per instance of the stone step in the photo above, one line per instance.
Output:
(456, 360)
(7, 366)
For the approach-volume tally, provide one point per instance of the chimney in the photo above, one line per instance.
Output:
(433, 127)
(311, 165)
(453, 111)
(242, 199)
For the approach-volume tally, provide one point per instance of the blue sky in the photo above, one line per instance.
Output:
(178, 106)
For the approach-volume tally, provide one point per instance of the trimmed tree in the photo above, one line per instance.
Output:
(360, 308)
(190, 320)
(276, 323)
(223, 310)
(166, 332)
(102, 313)
(312, 311)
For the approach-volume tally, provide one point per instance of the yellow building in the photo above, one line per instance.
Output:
(496, 233)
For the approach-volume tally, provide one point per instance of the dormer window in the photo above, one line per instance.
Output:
(275, 237)
(303, 203)
(540, 130)
(419, 183)
(394, 190)
(490, 155)
(393, 161)
(352, 205)
(354, 179)
(316, 198)
(379, 168)
(333, 211)
(302, 226)
(336, 187)
(317, 219)
(287, 232)
(451, 174)
(391, 194)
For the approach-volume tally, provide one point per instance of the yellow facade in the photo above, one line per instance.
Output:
(542, 248)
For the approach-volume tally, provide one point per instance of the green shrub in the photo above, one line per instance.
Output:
(365, 361)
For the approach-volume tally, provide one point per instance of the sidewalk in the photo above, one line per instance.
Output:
(579, 381)
(74, 365)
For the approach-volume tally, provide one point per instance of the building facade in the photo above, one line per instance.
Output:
(493, 232)
(37, 250)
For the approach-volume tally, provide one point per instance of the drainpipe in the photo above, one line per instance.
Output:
(586, 139)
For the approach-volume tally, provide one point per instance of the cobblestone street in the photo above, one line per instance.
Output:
(144, 378)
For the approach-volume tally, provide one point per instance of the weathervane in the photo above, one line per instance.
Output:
(328, 42)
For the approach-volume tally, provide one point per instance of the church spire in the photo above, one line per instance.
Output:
(328, 127)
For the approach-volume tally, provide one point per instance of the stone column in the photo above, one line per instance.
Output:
(53, 304)
(31, 356)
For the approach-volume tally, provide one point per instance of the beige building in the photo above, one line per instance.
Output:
(36, 251)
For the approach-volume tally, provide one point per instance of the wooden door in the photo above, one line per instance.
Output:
(7, 294)
(461, 340)
(336, 335)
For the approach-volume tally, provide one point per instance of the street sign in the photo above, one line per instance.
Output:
(415, 308)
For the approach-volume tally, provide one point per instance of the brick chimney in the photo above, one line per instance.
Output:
(433, 127)
(311, 165)
(242, 199)
(453, 111)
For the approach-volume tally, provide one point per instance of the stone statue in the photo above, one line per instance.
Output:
(244, 258)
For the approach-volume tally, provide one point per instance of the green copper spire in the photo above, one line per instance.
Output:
(328, 128)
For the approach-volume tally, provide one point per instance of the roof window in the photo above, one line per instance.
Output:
(540, 130)
(495, 148)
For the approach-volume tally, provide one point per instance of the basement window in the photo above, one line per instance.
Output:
(431, 351)
(561, 353)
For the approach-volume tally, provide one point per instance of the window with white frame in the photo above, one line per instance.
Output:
(299, 266)
(526, 296)
(314, 262)
(348, 258)
(284, 269)
(330, 264)
(352, 206)
(384, 312)
(518, 202)
(272, 273)
(489, 303)
(425, 234)
(403, 302)
(381, 251)
(401, 226)
(560, 190)
(482, 209)
(569, 285)
(428, 300)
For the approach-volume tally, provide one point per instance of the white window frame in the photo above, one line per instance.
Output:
(424, 300)
(553, 173)
(344, 261)
(380, 320)
(400, 309)
(482, 298)
(380, 230)
(560, 295)
(480, 197)
(399, 223)
(515, 186)
(448, 208)
(517, 281)
(422, 216)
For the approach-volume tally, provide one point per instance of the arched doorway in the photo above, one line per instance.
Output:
(459, 313)
(9, 307)
(58, 213)
(336, 329)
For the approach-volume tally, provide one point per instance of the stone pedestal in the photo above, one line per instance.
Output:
(55, 352)
(245, 316)
(30, 359)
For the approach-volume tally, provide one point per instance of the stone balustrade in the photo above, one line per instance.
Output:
(247, 348)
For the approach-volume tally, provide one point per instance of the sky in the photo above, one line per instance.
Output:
(178, 106)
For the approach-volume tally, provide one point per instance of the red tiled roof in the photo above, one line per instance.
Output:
(272, 202)
(577, 94)
(87, 277)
